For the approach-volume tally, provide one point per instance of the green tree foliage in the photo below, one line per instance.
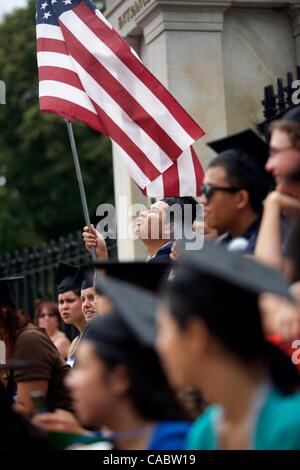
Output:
(39, 196)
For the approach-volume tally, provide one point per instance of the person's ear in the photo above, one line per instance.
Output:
(120, 381)
(199, 336)
(242, 199)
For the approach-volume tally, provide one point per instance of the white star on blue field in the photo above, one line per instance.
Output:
(9, 6)
(48, 11)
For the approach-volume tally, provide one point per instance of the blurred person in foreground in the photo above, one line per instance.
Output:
(282, 319)
(147, 276)
(211, 335)
(118, 383)
(284, 165)
(16, 431)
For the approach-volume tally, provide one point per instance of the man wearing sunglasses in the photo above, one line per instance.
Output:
(234, 189)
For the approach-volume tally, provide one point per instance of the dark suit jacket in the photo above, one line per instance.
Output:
(163, 254)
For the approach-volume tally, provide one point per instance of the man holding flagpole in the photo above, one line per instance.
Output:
(156, 227)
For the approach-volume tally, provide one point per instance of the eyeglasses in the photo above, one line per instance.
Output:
(208, 190)
(50, 315)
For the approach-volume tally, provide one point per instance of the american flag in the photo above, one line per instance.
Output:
(87, 72)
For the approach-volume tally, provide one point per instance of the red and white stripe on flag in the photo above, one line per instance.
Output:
(87, 72)
(183, 178)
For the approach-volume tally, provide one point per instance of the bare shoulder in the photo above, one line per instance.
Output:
(62, 340)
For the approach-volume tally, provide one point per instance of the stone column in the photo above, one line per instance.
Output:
(294, 11)
(2, 353)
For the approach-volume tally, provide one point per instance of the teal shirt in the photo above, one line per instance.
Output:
(276, 427)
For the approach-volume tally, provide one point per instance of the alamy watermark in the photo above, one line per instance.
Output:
(296, 353)
(137, 221)
(2, 92)
(296, 94)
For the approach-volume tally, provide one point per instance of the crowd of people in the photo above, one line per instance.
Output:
(191, 349)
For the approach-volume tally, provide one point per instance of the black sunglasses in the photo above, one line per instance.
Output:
(208, 190)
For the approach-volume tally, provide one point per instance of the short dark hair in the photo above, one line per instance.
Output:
(239, 174)
(182, 202)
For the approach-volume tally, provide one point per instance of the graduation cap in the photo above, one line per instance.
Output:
(125, 337)
(293, 115)
(65, 278)
(245, 146)
(113, 340)
(221, 266)
(146, 275)
(7, 295)
(110, 333)
(85, 277)
(135, 306)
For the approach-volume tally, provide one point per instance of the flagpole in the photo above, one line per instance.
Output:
(79, 179)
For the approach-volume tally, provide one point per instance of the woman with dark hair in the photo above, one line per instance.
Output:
(69, 304)
(118, 382)
(211, 336)
(48, 317)
(25, 341)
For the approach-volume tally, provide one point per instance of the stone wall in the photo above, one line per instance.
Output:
(258, 47)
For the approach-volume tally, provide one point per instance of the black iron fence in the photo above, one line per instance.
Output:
(277, 102)
(38, 266)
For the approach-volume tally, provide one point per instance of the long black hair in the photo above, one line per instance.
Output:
(232, 315)
(149, 391)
